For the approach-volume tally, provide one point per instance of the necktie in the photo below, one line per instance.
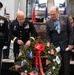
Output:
(57, 26)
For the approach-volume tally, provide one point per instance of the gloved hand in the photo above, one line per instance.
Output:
(4, 47)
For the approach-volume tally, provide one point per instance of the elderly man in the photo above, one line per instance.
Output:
(21, 30)
(3, 35)
(59, 32)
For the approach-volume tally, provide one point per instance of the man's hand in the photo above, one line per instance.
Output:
(27, 44)
(4, 47)
(20, 42)
(70, 47)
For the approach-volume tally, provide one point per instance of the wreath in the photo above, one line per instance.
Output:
(38, 59)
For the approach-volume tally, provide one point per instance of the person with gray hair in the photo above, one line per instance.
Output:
(59, 32)
(20, 31)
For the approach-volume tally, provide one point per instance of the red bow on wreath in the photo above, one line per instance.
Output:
(39, 48)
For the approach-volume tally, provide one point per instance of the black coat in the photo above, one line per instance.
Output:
(3, 31)
(22, 32)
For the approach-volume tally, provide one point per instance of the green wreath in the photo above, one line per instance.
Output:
(31, 60)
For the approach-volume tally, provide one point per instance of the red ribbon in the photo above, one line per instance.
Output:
(39, 48)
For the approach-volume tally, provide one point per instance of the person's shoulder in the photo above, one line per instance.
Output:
(13, 21)
(64, 16)
(48, 20)
(28, 21)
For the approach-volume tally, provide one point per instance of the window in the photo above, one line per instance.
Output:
(40, 4)
(61, 4)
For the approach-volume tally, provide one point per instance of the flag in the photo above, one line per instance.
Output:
(45, 14)
(30, 54)
(20, 53)
(5, 11)
(17, 67)
(33, 15)
(58, 60)
(22, 73)
(52, 52)
(23, 62)
(64, 13)
(37, 1)
(47, 61)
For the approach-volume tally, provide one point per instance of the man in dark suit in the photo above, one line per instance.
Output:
(21, 30)
(3, 35)
(8, 19)
(59, 32)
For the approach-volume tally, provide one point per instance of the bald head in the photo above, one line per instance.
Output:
(20, 13)
(54, 12)
(54, 8)
(20, 17)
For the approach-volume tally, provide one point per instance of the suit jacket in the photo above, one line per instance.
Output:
(66, 32)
